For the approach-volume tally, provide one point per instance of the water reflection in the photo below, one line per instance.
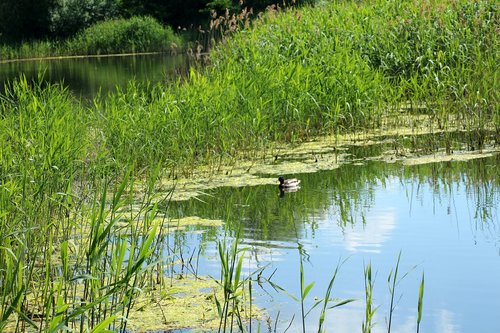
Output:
(345, 197)
(442, 216)
(370, 237)
(87, 77)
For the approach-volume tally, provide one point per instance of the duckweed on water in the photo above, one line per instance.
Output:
(443, 157)
(189, 303)
(328, 153)
(186, 222)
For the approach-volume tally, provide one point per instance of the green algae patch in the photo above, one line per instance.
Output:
(188, 304)
(446, 157)
(415, 141)
(189, 221)
(186, 189)
(166, 224)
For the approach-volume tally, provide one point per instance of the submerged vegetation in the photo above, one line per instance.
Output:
(69, 171)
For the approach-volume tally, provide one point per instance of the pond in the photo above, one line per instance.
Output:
(87, 76)
(441, 218)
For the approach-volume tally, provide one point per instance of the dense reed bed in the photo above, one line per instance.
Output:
(67, 169)
(62, 263)
(323, 70)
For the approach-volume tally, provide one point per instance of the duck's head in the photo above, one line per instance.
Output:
(281, 179)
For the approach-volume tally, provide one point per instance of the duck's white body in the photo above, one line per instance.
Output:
(288, 183)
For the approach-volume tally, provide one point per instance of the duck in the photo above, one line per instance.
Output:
(288, 183)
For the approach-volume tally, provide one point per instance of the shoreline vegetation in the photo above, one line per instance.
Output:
(70, 172)
(80, 56)
(116, 36)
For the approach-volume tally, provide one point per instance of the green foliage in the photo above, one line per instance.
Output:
(366, 326)
(137, 34)
(43, 136)
(299, 74)
(70, 16)
(50, 169)
(420, 302)
(24, 19)
(233, 285)
(41, 48)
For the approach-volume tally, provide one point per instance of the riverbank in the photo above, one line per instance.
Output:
(322, 70)
(78, 57)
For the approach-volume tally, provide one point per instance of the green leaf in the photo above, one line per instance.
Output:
(101, 328)
(420, 299)
(344, 302)
(307, 290)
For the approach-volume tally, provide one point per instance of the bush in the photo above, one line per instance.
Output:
(137, 34)
(70, 16)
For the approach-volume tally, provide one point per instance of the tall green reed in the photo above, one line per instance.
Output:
(294, 75)
(420, 302)
(370, 310)
(327, 299)
(64, 261)
(232, 304)
(393, 281)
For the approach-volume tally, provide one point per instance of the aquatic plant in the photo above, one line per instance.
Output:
(367, 324)
(233, 305)
(420, 302)
(327, 298)
(294, 75)
(392, 281)
(63, 261)
(34, 49)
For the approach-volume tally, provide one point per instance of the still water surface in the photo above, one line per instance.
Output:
(441, 217)
(86, 77)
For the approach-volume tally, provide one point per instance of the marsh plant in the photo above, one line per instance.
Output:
(67, 260)
(79, 271)
(232, 306)
(133, 35)
(370, 309)
(333, 68)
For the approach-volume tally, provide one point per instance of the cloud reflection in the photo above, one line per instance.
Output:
(445, 322)
(370, 236)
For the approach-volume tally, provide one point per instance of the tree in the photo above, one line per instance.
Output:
(70, 16)
(176, 13)
(24, 19)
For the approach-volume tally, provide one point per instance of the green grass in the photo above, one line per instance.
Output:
(34, 49)
(322, 70)
(68, 168)
(62, 260)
